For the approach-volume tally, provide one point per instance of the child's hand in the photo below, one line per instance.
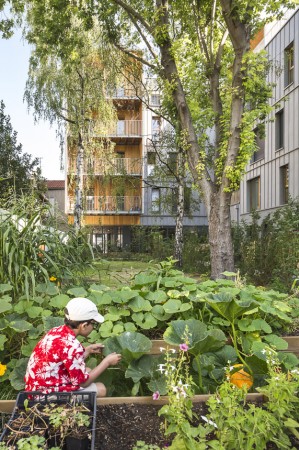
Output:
(93, 348)
(113, 359)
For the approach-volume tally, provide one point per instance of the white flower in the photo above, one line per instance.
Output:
(161, 368)
(210, 422)
(263, 351)
(295, 371)
(173, 350)
(162, 349)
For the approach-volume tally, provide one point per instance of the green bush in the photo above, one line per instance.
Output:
(267, 251)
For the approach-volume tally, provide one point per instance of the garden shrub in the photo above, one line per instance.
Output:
(267, 251)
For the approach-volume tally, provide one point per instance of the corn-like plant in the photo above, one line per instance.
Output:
(32, 251)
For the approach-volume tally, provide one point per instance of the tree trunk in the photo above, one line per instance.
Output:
(220, 236)
(78, 210)
(178, 240)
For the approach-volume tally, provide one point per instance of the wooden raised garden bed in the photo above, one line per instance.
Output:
(7, 406)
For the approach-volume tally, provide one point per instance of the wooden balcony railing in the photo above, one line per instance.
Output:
(117, 166)
(126, 128)
(126, 92)
(109, 204)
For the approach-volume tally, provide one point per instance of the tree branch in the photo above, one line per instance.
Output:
(132, 12)
(143, 36)
(133, 55)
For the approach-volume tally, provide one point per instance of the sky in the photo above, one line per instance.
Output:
(39, 140)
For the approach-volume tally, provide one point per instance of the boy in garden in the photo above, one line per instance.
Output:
(57, 363)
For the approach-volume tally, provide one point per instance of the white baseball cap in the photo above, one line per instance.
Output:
(80, 308)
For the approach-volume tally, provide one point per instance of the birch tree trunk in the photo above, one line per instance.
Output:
(178, 240)
(78, 209)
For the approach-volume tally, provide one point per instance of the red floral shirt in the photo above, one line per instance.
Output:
(57, 363)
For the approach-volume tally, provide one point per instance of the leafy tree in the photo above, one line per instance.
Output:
(214, 85)
(19, 172)
(69, 88)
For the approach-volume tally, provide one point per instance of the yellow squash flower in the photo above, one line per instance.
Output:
(52, 278)
(2, 369)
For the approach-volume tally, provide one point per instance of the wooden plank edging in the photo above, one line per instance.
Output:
(7, 406)
(253, 397)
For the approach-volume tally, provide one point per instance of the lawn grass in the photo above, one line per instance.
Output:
(116, 273)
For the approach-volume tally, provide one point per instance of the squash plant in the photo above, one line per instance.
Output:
(249, 316)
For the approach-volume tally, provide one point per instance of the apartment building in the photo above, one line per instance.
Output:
(272, 176)
(128, 190)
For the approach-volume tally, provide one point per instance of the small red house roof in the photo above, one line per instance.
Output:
(55, 184)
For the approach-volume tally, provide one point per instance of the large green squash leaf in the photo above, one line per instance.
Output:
(20, 325)
(289, 360)
(175, 334)
(159, 313)
(142, 279)
(3, 339)
(130, 345)
(146, 366)
(98, 288)
(158, 384)
(229, 307)
(51, 322)
(5, 288)
(77, 292)
(59, 301)
(100, 298)
(5, 305)
(145, 321)
(157, 296)
(138, 304)
(17, 375)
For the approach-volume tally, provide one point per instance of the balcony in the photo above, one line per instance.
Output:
(109, 205)
(115, 166)
(126, 92)
(126, 129)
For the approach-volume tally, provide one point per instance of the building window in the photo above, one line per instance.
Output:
(156, 126)
(284, 184)
(172, 161)
(289, 65)
(259, 153)
(151, 158)
(155, 99)
(89, 200)
(279, 130)
(254, 197)
(156, 200)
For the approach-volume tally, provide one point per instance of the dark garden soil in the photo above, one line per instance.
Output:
(120, 426)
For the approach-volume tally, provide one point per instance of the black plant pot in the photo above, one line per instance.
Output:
(73, 443)
(54, 440)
